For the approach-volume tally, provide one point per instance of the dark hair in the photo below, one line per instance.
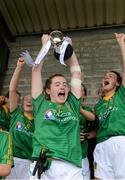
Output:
(119, 78)
(85, 89)
(48, 83)
(18, 93)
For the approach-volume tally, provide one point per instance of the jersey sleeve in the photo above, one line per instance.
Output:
(37, 103)
(87, 108)
(121, 92)
(6, 156)
(74, 103)
(14, 114)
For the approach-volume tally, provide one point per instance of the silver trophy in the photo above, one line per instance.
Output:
(62, 46)
(62, 49)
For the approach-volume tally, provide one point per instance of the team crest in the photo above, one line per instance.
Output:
(28, 125)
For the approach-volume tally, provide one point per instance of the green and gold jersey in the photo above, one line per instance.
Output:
(22, 130)
(57, 128)
(84, 129)
(111, 116)
(6, 156)
(4, 118)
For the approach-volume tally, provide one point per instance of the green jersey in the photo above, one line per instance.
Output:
(22, 130)
(84, 129)
(4, 118)
(5, 148)
(111, 116)
(57, 128)
(6, 156)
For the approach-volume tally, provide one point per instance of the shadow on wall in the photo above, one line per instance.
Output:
(4, 56)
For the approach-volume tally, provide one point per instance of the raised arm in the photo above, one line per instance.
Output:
(37, 85)
(121, 41)
(87, 114)
(75, 76)
(13, 99)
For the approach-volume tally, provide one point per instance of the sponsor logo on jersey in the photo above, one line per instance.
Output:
(18, 126)
(49, 115)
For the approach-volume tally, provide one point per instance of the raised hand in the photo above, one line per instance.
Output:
(46, 43)
(20, 62)
(2, 100)
(44, 39)
(120, 39)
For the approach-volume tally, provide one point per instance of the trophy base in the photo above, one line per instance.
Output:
(67, 55)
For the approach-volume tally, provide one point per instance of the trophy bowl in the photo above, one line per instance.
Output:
(67, 55)
(56, 38)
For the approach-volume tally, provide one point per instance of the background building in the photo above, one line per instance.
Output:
(90, 23)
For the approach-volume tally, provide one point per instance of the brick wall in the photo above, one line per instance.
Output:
(97, 51)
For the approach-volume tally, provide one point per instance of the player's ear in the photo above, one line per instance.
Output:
(47, 91)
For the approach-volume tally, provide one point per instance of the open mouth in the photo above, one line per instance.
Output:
(29, 105)
(61, 94)
(106, 83)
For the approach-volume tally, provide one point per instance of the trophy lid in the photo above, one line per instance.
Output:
(56, 37)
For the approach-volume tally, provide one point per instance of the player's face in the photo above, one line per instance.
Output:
(109, 82)
(58, 90)
(27, 103)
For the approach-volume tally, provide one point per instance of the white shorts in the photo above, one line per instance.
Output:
(109, 158)
(59, 170)
(20, 170)
(85, 169)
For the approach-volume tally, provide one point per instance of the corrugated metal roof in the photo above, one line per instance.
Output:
(36, 16)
